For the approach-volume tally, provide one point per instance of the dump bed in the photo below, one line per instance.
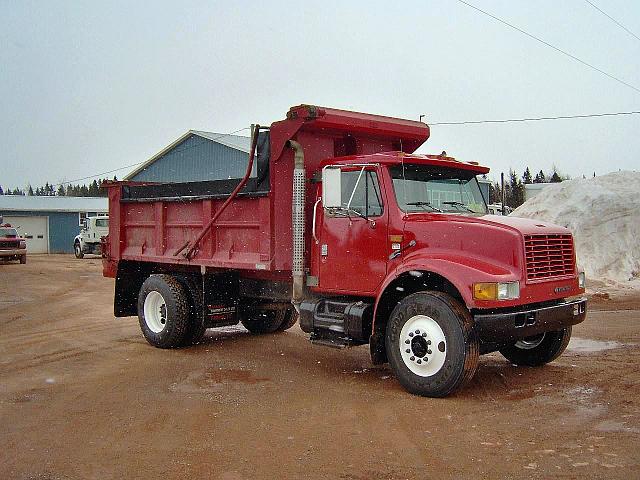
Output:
(161, 222)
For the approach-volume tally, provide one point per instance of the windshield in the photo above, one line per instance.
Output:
(425, 188)
(102, 222)
(8, 232)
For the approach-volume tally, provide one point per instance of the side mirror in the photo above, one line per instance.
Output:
(331, 187)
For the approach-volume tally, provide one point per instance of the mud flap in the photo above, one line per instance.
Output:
(220, 300)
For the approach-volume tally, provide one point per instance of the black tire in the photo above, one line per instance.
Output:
(77, 249)
(538, 350)
(171, 324)
(261, 320)
(195, 330)
(446, 339)
(290, 319)
(23, 259)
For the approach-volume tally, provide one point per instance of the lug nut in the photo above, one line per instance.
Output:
(424, 334)
(408, 351)
(407, 342)
(417, 332)
(429, 352)
(411, 334)
(412, 358)
(419, 361)
(428, 342)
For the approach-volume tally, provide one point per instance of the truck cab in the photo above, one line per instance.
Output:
(91, 233)
(407, 241)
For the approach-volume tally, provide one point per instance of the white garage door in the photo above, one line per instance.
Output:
(34, 229)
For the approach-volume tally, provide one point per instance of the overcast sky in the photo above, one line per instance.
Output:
(87, 87)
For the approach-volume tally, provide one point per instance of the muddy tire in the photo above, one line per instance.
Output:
(77, 250)
(431, 345)
(290, 319)
(538, 350)
(163, 311)
(23, 259)
(259, 320)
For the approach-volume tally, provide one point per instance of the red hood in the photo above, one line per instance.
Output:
(525, 226)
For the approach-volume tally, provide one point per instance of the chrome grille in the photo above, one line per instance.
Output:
(549, 256)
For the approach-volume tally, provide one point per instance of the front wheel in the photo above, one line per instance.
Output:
(539, 349)
(430, 344)
(23, 259)
(77, 249)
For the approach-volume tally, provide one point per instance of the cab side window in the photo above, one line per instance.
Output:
(367, 199)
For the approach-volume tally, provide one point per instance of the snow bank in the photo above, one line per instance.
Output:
(603, 213)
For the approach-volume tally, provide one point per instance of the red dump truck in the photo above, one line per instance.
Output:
(343, 227)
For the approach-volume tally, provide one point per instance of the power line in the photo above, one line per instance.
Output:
(535, 119)
(613, 19)
(140, 163)
(537, 39)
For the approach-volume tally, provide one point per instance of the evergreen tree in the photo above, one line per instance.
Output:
(30, 191)
(514, 191)
(494, 193)
(555, 177)
(540, 177)
(93, 189)
(526, 177)
(1, 191)
(61, 192)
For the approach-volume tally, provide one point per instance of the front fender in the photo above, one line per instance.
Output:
(461, 270)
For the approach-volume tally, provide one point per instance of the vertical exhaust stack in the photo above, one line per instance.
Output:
(297, 224)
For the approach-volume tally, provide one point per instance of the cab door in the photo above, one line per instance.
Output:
(350, 248)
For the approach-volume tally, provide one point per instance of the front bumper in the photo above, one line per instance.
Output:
(511, 325)
(14, 252)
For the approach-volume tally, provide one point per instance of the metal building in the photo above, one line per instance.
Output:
(197, 156)
(49, 224)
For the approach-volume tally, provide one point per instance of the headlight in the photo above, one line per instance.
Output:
(496, 291)
(582, 280)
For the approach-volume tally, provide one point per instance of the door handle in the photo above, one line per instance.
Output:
(313, 223)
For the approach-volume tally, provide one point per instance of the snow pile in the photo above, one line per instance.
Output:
(603, 213)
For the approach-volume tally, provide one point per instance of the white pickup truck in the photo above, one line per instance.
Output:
(89, 239)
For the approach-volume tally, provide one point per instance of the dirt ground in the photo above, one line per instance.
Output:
(83, 396)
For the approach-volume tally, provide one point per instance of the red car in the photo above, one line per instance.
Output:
(12, 247)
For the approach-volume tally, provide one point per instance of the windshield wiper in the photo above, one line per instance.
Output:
(425, 204)
(459, 204)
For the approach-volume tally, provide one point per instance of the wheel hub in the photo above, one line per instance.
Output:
(417, 339)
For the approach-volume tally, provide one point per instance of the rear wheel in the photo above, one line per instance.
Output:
(23, 259)
(430, 344)
(77, 249)
(195, 330)
(539, 349)
(163, 311)
(289, 321)
(260, 320)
